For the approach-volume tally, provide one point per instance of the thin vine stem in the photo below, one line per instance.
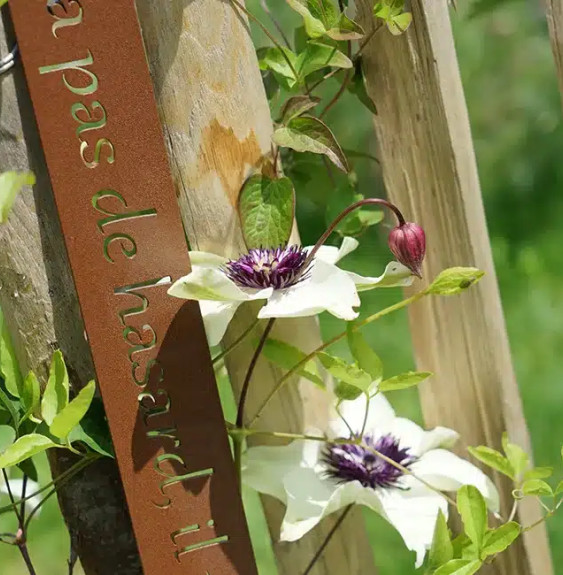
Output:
(295, 369)
(327, 540)
(267, 10)
(237, 342)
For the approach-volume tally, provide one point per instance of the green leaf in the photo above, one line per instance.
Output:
(459, 567)
(460, 546)
(538, 473)
(346, 392)
(267, 209)
(288, 356)
(9, 367)
(27, 467)
(497, 540)
(404, 380)
(31, 397)
(346, 29)
(279, 62)
(442, 550)
(518, 458)
(55, 397)
(454, 280)
(358, 87)
(473, 510)
(318, 15)
(365, 357)
(346, 372)
(7, 437)
(318, 56)
(536, 487)
(93, 430)
(400, 23)
(10, 405)
(25, 447)
(298, 105)
(11, 184)
(73, 413)
(493, 458)
(306, 134)
(558, 489)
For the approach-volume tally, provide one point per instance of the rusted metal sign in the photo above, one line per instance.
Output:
(89, 82)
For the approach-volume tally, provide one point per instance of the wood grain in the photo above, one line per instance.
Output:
(429, 167)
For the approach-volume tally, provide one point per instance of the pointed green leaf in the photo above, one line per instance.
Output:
(27, 467)
(558, 489)
(9, 367)
(10, 405)
(346, 392)
(346, 372)
(288, 356)
(347, 29)
(358, 87)
(11, 184)
(538, 473)
(518, 458)
(55, 397)
(365, 357)
(454, 280)
(404, 380)
(319, 56)
(7, 437)
(93, 430)
(267, 209)
(400, 23)
(31, 397)
(493, 458)
(473, 510)
(298, 105)
(442, 550)
(459, 567)
(318, 15)
(536, 487)
(497, 540)
(282, 63)
(73, 413)
(306, 134)
(25, 447)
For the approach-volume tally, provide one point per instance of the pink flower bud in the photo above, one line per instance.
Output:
(408, 244)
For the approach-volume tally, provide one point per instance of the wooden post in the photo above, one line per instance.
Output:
(429, 168)
(39, 302)
(218, 127)
(554, 12)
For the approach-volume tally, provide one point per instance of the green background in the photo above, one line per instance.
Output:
(514, 104)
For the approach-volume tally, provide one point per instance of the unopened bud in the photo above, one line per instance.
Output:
(408, 244)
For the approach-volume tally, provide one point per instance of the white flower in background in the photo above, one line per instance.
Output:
(16, 487)
(282, 276)
(314, 479)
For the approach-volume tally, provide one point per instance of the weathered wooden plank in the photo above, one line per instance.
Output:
(554, 13)
(429, 168)
(218, 127)
(38, 298)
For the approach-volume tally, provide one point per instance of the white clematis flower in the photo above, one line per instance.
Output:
(16, 487)
(314, 479)
(278, 276)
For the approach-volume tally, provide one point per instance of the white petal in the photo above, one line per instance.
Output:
(264, 467)
(380, 417)
(333, 255)
(206, 260)
(329, 289)
(216, 318)
(448, 472)
(413, 513)
(419, 441)
(395, 275)
(311, 498)
(16, 487)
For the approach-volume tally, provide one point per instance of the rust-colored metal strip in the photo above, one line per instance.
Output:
(89, 82)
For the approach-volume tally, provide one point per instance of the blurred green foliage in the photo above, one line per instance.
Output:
(515, 110)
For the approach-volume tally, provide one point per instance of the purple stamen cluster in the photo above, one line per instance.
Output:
(352, 462)
(278, 268)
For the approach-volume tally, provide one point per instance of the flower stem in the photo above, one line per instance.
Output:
(236, 343)
(327, 540)
(267, 10)
(346, 212)
(285, 378)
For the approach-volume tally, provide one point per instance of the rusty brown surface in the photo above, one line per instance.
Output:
(170, 441)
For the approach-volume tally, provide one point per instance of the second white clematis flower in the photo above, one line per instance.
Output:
(282, 276)
(314, 479)
(16, 489)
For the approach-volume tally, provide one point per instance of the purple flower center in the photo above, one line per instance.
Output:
(260, 268)
(351, 462)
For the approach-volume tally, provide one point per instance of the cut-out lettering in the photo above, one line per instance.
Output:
(195, 546)
(100, 145)
(116, 216)
(77, 66)
(62, 6)
(126, 243)
(90, 123)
